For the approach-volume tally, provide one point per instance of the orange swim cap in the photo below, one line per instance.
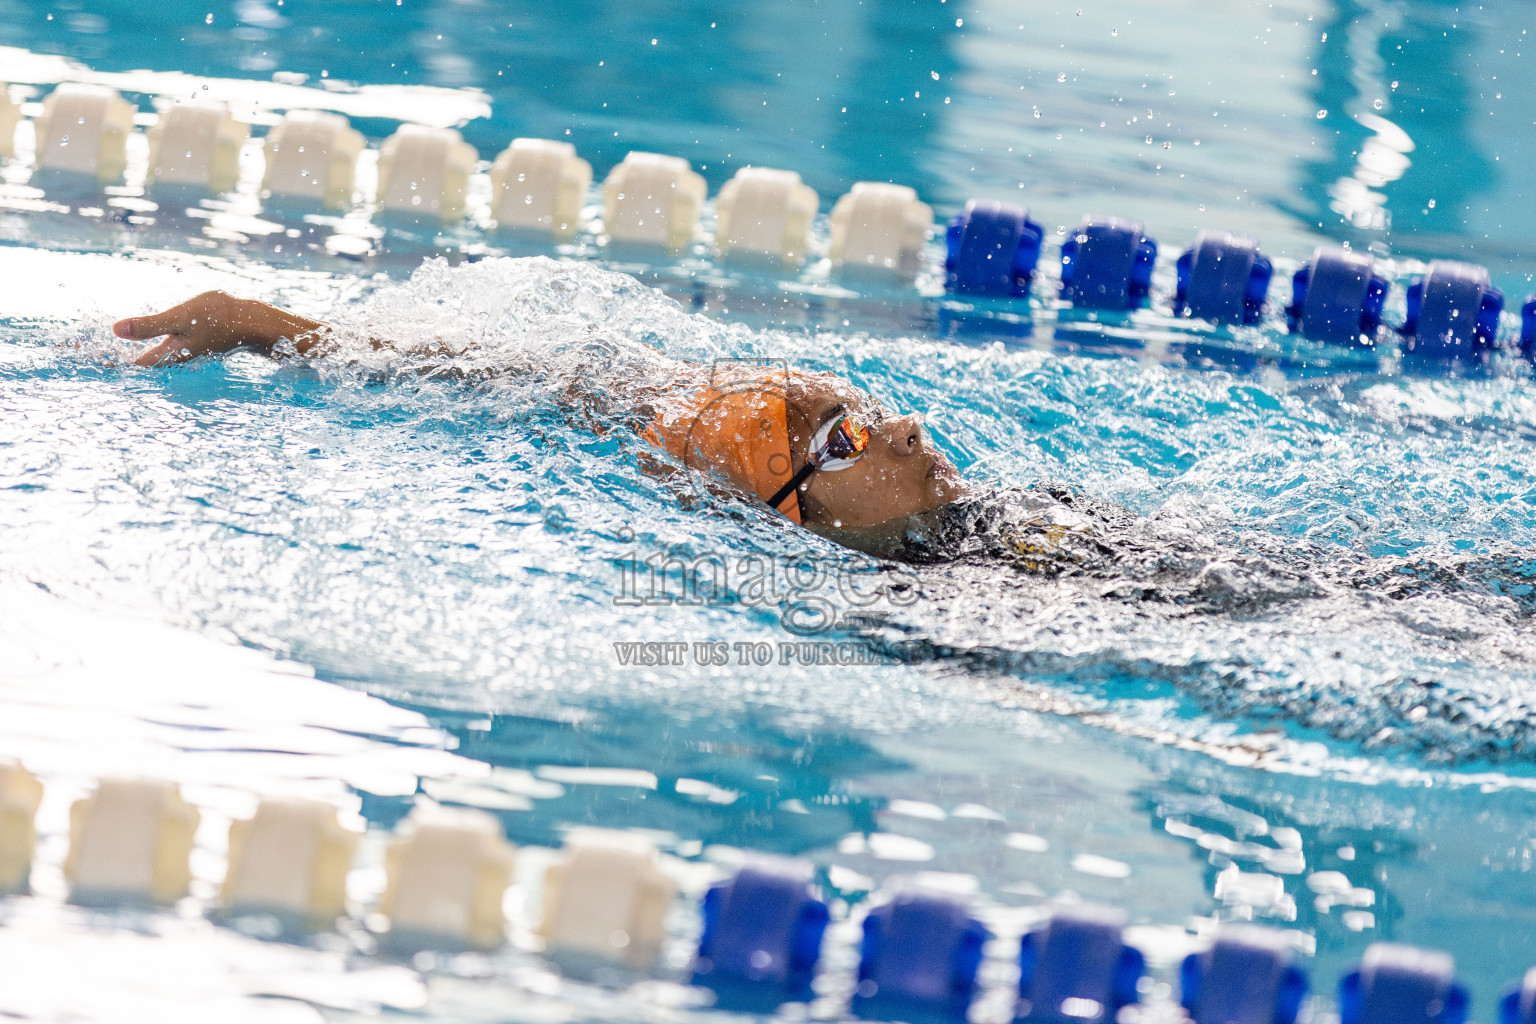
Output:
(740, 434)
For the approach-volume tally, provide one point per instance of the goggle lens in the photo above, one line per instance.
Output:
(846, 440)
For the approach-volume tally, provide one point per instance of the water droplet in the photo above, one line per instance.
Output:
(1061, 76)
(1431, 204)
(959, 22)
(1037, 111)
(1167, 145)
(933, 75)
(527, 200)
(415, 200)
(64, 142)
(1149, 140)
(208, 20)
(1322, 114)
(1377, 104)
(522, 177)
(1114, 31)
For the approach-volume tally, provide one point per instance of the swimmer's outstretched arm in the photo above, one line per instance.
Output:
(216, 322)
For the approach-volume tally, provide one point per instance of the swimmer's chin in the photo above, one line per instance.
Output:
(892, 538)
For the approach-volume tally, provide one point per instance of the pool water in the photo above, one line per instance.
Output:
(1307, 700)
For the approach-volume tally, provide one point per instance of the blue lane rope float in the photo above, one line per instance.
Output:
(920, 955)
(1223, 278)
(1453, 312)
(1248, 976)
(1528, 329)
(1337, 297)
(762, 937)
(1077, 969)
(1107, 264)
(1397, 984)
(992, 249)
(1519, 1004)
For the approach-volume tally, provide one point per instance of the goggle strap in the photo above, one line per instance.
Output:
(789, 488)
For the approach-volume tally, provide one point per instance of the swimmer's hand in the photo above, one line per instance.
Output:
(215, 322)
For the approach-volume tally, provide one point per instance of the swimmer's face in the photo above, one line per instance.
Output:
(900, 474)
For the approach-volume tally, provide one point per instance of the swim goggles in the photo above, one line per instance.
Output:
(837, 444)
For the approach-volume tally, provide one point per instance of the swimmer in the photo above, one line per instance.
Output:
(823, 454)
(808, 445)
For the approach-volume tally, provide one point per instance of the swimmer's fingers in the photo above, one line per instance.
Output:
(172, 350)
(215, 322)
(175, 320)
(211, 322)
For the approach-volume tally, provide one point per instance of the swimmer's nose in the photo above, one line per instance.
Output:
(906, 435)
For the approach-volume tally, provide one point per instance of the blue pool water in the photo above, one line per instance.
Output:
(1304, 697)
